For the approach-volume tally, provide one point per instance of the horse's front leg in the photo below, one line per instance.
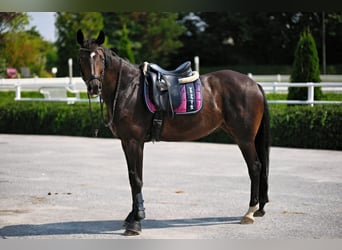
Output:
(134, 156)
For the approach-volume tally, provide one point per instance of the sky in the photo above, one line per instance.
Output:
(45, 24)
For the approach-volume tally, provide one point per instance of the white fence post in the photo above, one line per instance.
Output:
(18, 92)
(274, 87)
(196, 60)
(311, 93)
(70, 70)
(279, 78)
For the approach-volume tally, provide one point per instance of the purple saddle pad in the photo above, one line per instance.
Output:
(191, 98)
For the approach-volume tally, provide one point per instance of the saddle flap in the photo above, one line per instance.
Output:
(173, 89)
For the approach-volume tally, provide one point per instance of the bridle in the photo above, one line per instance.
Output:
(93, 75)
(100, 78)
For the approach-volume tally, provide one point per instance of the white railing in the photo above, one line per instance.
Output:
(75, 85)
(326, 86)
(53, 89)
(37, 82)
(286, 78)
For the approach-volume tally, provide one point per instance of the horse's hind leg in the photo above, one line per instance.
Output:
(254, 169)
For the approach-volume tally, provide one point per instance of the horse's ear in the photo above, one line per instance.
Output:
(101, 38)
(80, 37)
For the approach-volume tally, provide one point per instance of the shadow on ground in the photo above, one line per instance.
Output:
(106, 227)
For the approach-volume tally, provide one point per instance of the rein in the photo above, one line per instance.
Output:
(107, 124)
(117, 88)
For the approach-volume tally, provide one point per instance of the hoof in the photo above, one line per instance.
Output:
(131, 233)
(132, 228)
(259, 213)
(247, 220)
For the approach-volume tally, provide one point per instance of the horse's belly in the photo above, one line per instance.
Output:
(189, 128)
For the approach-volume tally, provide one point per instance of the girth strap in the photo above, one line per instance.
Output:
(157, 125)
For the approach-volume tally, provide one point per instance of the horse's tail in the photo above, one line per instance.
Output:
(262, 145)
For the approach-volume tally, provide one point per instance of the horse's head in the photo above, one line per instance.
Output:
(92, 62)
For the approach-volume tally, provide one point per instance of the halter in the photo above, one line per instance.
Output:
(100, 78)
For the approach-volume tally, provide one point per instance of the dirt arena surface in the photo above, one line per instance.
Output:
(54, 187)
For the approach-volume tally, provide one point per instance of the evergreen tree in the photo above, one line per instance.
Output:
(305, 67)
(125, 45)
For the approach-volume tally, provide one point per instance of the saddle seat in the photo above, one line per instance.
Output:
(182, 70)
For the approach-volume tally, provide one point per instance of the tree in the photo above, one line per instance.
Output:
(154, 36)
(67, 24)
(19, 47)
(305, 67)
(9, 23)
(25, 49)
(125, 45)
(12, 21)
(256, 37)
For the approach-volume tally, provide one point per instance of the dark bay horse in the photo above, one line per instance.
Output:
(231, 101)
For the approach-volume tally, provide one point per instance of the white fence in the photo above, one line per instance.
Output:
(57, 89)
(53, 89)
(286, 78)
(326, 86)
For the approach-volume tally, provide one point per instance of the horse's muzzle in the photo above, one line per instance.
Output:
(94, 87)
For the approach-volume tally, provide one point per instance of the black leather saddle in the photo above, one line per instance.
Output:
(164, 85)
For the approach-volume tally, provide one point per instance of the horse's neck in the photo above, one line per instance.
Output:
(121, 74)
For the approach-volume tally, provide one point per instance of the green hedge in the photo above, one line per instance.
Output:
(307, 127)
(316, 127)
(291, 126)
(50, 119)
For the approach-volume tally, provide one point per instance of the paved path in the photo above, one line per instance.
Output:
(71, 187)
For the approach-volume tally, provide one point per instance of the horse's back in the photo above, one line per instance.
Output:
(231, 78)
(231, 85)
